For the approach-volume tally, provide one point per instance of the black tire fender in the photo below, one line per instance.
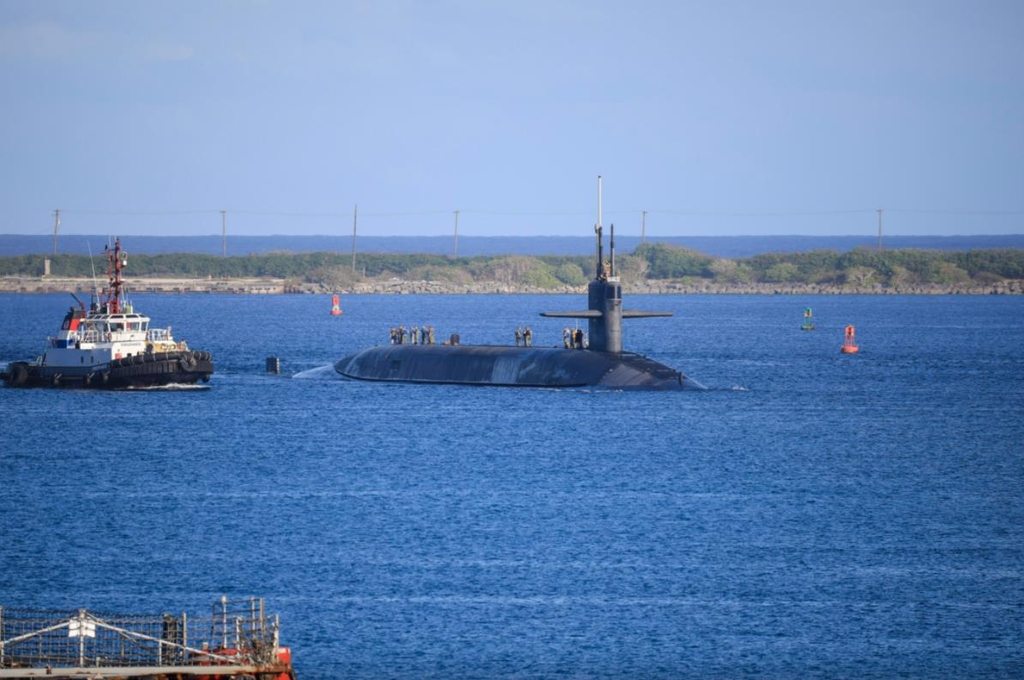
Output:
(19, 374)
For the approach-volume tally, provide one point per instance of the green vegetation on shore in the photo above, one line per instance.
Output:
(861, 267)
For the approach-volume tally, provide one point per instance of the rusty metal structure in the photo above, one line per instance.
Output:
(237, 641)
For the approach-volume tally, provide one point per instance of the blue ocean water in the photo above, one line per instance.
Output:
(811, 515)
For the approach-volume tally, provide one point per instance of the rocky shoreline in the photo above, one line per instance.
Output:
(395, 286)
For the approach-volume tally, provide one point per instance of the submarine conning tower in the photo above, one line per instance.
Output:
(605, 331)
(604, 311)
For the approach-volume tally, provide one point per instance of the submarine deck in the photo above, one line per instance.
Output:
(511, 367)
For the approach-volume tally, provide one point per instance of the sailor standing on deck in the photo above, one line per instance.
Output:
(519, 335)
(528, 337)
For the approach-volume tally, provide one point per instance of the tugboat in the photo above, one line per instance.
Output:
(111, 346)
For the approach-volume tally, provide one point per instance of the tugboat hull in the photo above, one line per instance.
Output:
(152, 369)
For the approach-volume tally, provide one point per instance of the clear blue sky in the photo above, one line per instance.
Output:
(716, 117)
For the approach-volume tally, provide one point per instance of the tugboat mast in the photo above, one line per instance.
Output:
(117, 260)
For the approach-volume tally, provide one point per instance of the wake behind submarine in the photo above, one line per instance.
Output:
(602, 365)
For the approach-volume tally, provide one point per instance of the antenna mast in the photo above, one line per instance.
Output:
(611, 247)
(456, 253)
(95, 284)
(879, 230)
(56, 228)
(117, 260)
(597, 230)
(355, 215)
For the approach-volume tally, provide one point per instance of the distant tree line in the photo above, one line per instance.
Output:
(861, 266)
(650, 261)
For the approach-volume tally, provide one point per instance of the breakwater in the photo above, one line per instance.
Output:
(397, 286)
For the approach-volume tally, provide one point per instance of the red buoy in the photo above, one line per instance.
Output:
(336, 309)
(850, 343)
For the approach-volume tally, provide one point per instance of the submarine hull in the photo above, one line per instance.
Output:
(511, 367)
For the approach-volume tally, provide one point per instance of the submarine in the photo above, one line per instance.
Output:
(601, 365)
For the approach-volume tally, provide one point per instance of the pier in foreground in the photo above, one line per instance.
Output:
(237, 640)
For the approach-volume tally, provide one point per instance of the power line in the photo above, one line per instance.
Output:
(966, 213)
(814, 213)
(138, 213)
(549, 213)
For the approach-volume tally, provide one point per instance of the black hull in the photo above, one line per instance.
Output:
(142, 370)
(511, 367)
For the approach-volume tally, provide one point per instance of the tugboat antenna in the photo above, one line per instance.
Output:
(95, 283)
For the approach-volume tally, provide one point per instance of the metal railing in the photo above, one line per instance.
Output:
(238, 632)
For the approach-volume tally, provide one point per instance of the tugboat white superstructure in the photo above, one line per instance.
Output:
(111, 346)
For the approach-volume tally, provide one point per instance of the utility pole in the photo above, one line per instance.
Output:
(456, 234)
(224, 233)
(879, 230)
(355, 215)
(643, 226)
(56, 228)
